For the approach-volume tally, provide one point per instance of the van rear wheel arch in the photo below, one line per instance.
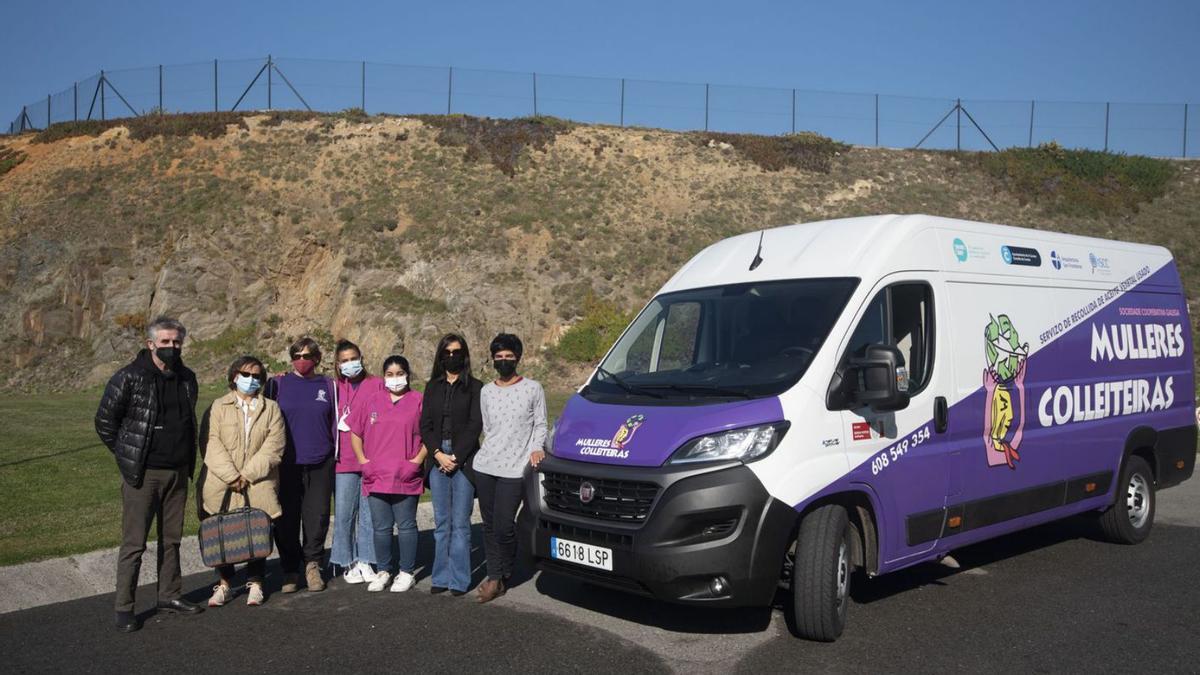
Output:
(1142, 442)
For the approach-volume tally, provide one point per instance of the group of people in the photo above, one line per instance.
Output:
(292, 443)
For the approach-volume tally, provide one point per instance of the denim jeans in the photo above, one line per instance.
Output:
(453, 501)
(353, 535)
(401, 511)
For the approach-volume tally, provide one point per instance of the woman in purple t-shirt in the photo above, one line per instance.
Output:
(385, 432)
(306, 399)
(353, 536)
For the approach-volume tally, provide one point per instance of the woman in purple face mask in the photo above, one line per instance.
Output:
(308, 401)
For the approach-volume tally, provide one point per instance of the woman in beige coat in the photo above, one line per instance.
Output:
(244, 447)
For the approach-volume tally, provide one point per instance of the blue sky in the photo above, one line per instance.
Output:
(1098, 50)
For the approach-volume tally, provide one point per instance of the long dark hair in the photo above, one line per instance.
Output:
(439, 370)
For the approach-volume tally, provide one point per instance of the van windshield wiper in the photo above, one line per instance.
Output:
(629, 388)
(702, 388)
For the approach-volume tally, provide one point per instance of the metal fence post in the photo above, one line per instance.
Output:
(622, 101)
(706, 107)
(535, 114)
(216, 106)
(363, 100)
(160, 93)
(1106, 106)
(1031, 104)
(1185, 116)
(958, 124)
(877, 120)
(449, 90)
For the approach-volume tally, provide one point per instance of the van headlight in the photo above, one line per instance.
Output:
(746, 444)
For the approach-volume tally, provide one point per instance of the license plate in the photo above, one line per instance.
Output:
(581, 554)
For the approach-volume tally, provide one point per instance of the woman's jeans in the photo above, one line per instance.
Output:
(401, 511)
(353, 535)
(453, 501)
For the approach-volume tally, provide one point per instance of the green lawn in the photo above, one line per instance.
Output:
(60, 492)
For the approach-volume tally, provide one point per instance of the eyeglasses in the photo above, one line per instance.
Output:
(257, 376)
(306, 356)
(451, 352)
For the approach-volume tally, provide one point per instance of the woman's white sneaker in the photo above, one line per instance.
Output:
(221, 595)
(403, 582)
(255, 598)
(380, 582)
(359, 573)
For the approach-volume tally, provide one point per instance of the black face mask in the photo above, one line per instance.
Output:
(506, 367)
(454, 363)
(168, 355)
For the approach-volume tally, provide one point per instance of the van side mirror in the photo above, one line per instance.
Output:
(877, 378)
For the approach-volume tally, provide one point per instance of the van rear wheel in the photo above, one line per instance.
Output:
(821, 574)
(1129, 519)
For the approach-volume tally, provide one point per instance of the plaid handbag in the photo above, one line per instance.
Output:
(235, 536)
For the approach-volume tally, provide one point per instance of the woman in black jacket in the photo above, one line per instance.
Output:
(450, 426)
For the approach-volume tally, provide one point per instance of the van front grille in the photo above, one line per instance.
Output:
(613, 500)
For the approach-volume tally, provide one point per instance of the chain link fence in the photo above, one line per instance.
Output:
(1155, 129)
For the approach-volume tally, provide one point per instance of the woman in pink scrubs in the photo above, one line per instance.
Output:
(386, 438)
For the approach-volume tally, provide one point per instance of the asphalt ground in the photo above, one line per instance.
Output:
(1050, 599)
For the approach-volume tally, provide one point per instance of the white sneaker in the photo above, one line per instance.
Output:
(403, 582)
(221, 595)
(380, 582)
(256, 594)
(358, 573)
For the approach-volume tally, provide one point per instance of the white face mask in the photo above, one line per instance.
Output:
(351, 368)
(396, 384)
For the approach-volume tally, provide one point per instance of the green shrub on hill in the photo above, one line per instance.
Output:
(9, 159)
(1080, 182)
(806, 151)
(589, 338)
(499, 140)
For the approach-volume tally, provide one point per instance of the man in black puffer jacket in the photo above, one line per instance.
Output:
(147, 418)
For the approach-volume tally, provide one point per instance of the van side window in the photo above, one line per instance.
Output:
(900, 315)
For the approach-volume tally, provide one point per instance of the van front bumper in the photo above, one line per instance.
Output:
(710, 535)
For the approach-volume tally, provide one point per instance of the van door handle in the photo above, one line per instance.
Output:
(941, 414)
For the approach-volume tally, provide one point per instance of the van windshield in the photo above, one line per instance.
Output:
(731, 342)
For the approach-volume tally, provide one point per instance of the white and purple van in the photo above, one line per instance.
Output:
(867, 393)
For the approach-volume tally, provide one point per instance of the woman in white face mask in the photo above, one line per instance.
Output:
(386, 437)
(353, 536)
(242, 451)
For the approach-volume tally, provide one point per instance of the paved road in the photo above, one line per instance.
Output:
(1047, 600)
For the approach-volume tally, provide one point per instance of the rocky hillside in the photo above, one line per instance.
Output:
(256, 229)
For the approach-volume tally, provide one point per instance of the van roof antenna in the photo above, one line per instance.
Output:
(758, 254)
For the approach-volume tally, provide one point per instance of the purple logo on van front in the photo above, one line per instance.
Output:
(626, 431)
(1004, 388)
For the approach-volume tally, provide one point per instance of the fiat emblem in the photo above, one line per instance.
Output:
(587, 492)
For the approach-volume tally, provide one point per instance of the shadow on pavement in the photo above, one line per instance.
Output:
(650, 612)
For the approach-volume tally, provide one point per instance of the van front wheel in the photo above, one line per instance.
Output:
(1129, 519)
(821, 574)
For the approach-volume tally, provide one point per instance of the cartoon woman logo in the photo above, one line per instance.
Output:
(1004, 387)
(625, 433)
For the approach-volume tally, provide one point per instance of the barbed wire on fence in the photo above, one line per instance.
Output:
(1156, 129)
